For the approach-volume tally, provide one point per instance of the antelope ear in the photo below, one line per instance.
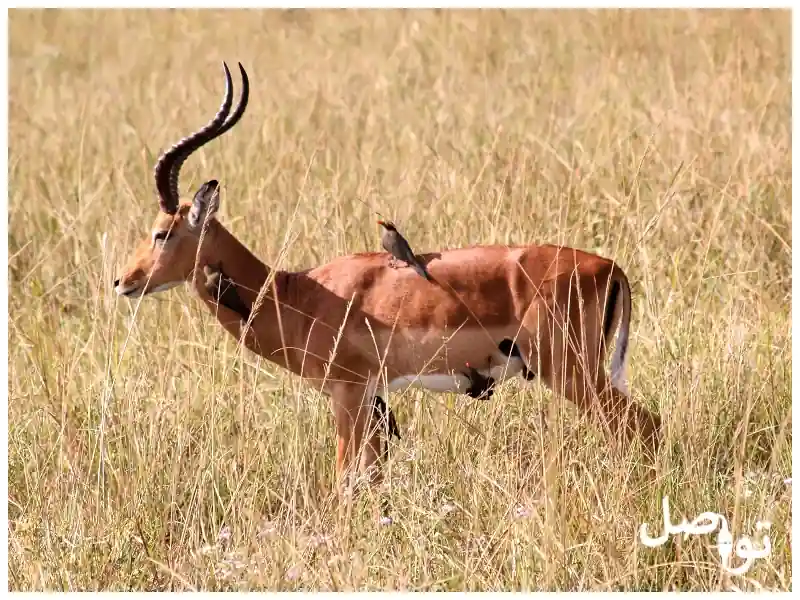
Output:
(205, 204)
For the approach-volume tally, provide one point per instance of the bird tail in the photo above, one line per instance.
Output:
(422, 271)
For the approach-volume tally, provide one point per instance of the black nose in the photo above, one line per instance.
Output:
(116, 282)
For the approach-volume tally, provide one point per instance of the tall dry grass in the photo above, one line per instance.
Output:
(145, 453)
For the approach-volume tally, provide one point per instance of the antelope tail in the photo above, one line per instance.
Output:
(618, 313)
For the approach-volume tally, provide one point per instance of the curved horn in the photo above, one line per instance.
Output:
(237, 114)
(169, 164)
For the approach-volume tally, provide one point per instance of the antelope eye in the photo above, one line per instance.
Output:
(162, 236)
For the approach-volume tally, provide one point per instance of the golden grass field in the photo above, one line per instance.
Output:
(146, 453)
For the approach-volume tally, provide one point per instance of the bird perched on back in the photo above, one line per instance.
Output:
(223, 290)
(480, 386)
(396, 245)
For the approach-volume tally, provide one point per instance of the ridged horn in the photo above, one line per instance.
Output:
(169, 164)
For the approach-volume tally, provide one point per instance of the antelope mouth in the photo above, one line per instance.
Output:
(133, 291)
(136, 291)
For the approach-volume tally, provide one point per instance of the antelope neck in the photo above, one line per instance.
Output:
(235, 260)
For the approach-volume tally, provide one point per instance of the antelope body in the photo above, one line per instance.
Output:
(358, 329)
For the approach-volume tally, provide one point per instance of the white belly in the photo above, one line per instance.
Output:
(503, 368)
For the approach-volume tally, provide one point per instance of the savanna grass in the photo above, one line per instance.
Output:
(146, 452)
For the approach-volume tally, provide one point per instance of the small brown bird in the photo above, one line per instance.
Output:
(480, 386)
(223, 290)
(396, 245)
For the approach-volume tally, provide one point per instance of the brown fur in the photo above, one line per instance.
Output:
(550, 299)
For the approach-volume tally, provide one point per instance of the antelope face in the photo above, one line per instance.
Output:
(157, 264)
(169, 255)
(166, 257)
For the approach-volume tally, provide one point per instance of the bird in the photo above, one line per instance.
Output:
(480, 386)
(396, 245)
(223, 290)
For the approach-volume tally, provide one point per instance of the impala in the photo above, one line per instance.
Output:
(357, 329)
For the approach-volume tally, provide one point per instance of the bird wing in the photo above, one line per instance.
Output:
(404, 249)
